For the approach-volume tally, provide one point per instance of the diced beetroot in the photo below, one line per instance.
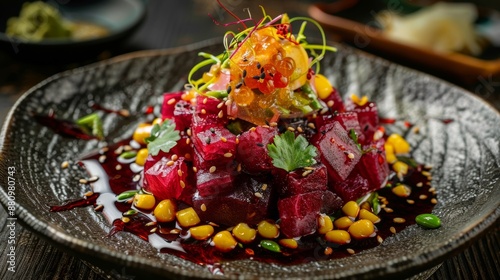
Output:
(367, 117)
(209, 112)
(221, 162)
(169, 101)
(183, 114)
(183, 148)
(252, 150)
(338, 151)
(218, 182)
(299, 213)
(338, 104)
(330, 202)
(240, 205)
(373, 165)
(293, 183)
(214, 143)
(165, 182)
(352, 188)
(348, 120)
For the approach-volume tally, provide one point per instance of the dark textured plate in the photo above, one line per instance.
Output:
(465, 154)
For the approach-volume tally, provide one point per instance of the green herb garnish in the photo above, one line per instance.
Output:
(91, 124)
(408, 160)
(162, 138)
(354, 137)
(290, 153)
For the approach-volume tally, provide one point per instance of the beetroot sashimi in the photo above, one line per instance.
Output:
(252, 150)
(299, 213)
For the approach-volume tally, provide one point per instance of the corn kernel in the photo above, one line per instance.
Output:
(399, 143)
(362, 229)
(400, 167)
(289, 243)
(244, 233)
(365, 214)
(351, 209)
(142, 132)
(201, 232)
(142, 156)
(268, 230)
(401, 190)
(189, 95)
(187, 217)
(323, 86)
(343, 222)
(144, 201)
(325, 224)
(390, 157)
(165, 211)
(365, 205)
(338, 236)
(224, 241)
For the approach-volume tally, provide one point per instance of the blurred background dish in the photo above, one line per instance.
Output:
(361, 23)
(113, 19)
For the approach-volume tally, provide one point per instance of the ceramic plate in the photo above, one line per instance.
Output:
(465, 153)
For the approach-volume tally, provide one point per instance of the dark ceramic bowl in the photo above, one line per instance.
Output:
(118, 16)
(465, 154)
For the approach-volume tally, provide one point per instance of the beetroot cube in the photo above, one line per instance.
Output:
(164, 181)
(295, 183)
(207, 105)
(239, 205)
(373, 165)
(169, 101)
(211, 182)
(330, 202)
(348, 120)
(299, 213)
(214, 143)
(367, 117)
(338, 151)
(252, 150)
(183, 114)
(352, 188)
(338, 104)
(183, 148)
(222, 162)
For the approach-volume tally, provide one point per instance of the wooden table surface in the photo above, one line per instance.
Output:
(170, 24)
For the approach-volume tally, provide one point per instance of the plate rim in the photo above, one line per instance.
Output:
(77, 246)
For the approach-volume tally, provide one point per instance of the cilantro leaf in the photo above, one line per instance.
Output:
(91, 123)
(290, 153)
(162, 138)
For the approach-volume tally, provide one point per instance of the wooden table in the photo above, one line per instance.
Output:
(170, 24)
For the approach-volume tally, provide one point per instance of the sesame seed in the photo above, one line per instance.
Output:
(237, 141)
(118, 167)
(350, 155)
(203, 111)
(171, 101)
(195, 169)
(127, 148)
(124, 112)
(399, 220)
(89, 193)
(170, 163)
(239, 167)
(65, 164)
(380, 239)
(264, 187)
(258, 194)
(393, 230)
(183, 185)
(205, 100)
(423, 197)
(153, 229)
(103, 150)
(228, 155)
(311, 125)
(119, 150)
(188, 141)
(83, 181)
(309, 168)
(273, 124)
(92, 179)
(432, 189)
(307, 172)
(220, 114)
(410, 201)
(299, 129)
(175, 231)
(203, 207)
(179, 172)
(187, 155)
(253, 128)
(350, 251)
(150, 224)
(434, 201)
(223, 139)
(130, 200)
(188, 132)
(388, 210)
(420, 184)
(228, 102)
(426, 173)
(330, 103)
(98, 207)
(125, 219)
(290, 129)
(416, 129)
(136, 178)
(212, 169)
(220, 105)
